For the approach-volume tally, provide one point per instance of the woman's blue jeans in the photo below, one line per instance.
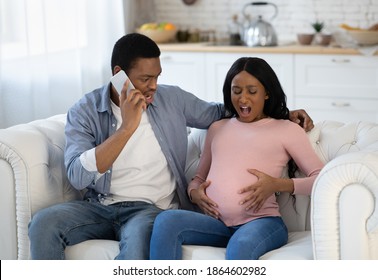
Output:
(61, 225)
(174, 228)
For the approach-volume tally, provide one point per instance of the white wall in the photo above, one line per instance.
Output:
(293, 15)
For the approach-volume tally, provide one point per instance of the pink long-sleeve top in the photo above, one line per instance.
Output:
(232, 147)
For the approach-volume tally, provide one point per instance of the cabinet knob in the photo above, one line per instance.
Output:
(340, 104)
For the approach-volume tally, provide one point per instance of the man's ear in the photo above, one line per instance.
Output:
(116, 69)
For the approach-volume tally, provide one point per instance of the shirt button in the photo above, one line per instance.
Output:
(113, 125)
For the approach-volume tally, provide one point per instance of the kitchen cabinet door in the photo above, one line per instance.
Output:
(349, 76)
(184, 69)
(218, 64)
(337, 87)
(339, 109)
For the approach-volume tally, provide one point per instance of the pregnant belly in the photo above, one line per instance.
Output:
(224, 191)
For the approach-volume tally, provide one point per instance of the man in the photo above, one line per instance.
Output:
(128, 151)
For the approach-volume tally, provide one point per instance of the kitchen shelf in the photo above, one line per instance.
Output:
(287, 49)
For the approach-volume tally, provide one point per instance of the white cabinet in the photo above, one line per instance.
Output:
(184, 69)
(339, 109)
(328, 87)
(218, 64)
(337, 87)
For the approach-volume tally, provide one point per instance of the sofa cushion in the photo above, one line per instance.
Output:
(299, 247)
(96, 249)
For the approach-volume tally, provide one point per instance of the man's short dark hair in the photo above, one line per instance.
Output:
(131, 47)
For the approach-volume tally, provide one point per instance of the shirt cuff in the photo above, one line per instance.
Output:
(88, 160)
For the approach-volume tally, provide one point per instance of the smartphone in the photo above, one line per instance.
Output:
(119, 79)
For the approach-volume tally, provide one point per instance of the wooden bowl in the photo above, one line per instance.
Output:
(364, 37)
(305, 39)
(159, 35)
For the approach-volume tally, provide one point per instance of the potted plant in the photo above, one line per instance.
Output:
(321, 38)
(318, 26)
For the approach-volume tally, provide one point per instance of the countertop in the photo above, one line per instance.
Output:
(292, 49)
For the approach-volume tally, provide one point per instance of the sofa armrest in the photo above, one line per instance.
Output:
(32, 176)
(344, 208)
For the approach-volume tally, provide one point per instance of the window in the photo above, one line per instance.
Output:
(41, 26)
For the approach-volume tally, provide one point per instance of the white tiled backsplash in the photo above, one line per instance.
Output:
(294, 16)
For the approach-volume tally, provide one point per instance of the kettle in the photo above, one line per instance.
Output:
(259, 32)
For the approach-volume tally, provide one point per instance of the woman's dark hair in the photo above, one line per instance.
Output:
(131, 47)
(275, 106)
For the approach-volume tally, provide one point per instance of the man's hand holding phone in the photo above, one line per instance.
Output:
(120, 80)
(132, 103)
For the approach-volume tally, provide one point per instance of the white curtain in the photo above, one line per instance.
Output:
(52, 52)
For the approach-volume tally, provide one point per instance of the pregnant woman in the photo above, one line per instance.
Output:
(255, 144)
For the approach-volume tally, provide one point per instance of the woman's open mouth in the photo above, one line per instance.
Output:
(245, 110)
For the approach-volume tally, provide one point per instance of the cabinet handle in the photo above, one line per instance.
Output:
(345, 60)
(340, 104)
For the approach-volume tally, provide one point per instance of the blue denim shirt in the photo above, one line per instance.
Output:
(91, 121)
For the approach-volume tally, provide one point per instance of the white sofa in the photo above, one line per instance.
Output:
(340, 221)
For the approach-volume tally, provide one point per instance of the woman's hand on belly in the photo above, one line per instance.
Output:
(199, 197)
(257, 193)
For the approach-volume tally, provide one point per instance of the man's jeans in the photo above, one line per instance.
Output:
(174, 228)
(61, 225)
